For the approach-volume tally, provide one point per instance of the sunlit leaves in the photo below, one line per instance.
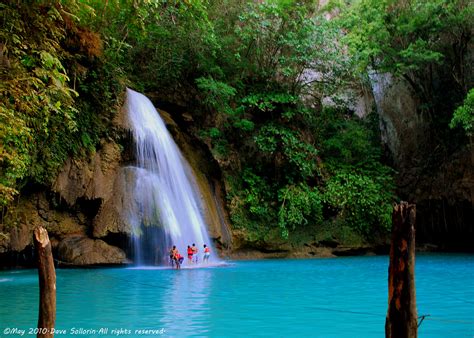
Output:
(402, 36)
(216, 94)
(464, 115)
(363, 202)
(299, 205)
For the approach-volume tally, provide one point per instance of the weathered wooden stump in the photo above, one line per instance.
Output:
(47, 283)
(401, 321)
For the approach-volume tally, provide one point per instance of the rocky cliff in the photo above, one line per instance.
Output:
(83, 209)
(436, 176)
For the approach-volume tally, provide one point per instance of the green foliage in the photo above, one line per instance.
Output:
(347, 140)
(37, 102)
(270, 103)
(425, 43)
(215, 138)
(244, 125)
(255, 88)
(250, 201)
(361, 189)
(279, 141)
(299, 204)
(257, 193)
(265, 66)
(159, 44)
(217, 94)
(214, 133)
(255, 72)
(400, 37)
(464, 115)
(362, 201)
(51, 103)
(14, 152)
(282, 41)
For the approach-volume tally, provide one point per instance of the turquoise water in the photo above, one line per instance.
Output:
(341, 297)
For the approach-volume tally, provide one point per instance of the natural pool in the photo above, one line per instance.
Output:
(340, 297)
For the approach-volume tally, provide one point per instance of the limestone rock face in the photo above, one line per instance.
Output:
(90, 198)
(98, 179)
(20, 237)
(440, 182)
(105, 179)
(403, 129)
(36, 211)
(112, 215)
(89, 179)
(81, 250)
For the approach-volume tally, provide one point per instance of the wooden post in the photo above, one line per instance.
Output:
(401, 321)
(47, 284)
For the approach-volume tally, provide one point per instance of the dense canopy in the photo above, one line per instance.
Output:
(270, 85)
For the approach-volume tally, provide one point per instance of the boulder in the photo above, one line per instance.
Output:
(80, 250)
(35, 211)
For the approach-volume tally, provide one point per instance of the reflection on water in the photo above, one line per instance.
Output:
(186, 301)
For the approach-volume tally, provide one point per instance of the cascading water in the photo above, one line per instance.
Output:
(167, 210)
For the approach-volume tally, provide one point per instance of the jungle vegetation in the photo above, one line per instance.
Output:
(270, 86)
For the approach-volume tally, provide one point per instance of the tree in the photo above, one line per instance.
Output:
(464, 115)
(409, 38)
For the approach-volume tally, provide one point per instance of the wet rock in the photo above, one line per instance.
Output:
(330, 243)
(271, 243)
(207, 175)
(350, 251)
(99, 184)
(79, 250)
(20, 237)
(114, 213)
(91, 178)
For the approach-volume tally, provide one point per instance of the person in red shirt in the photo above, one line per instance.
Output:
(190, 254)
(178, 259)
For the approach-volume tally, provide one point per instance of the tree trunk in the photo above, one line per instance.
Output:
(401, 321)
(471, 149)
(47, 283)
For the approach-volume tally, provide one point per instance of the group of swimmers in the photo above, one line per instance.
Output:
(177, 259)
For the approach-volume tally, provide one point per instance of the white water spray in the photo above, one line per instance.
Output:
(168, 211)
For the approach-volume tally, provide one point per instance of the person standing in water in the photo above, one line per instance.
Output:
(172, 255)
(207, 253)
(178, 259)
(190, 254)
(195, 253)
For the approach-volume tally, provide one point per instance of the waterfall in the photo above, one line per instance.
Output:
(167, 209)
